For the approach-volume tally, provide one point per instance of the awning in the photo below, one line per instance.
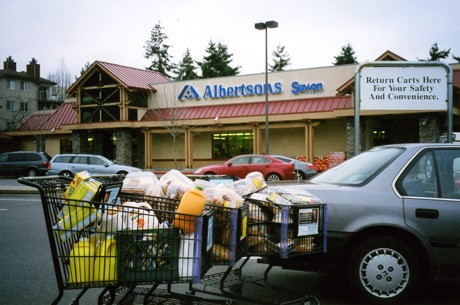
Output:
(251, 109)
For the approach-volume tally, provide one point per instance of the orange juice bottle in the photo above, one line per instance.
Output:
(192, 203)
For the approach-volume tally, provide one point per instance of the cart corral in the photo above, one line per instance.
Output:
(128, 236)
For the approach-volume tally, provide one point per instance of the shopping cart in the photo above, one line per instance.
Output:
(115, 243)
(274, 232)
(229, 227)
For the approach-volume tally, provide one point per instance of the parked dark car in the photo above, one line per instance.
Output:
(303, 170)
(24, 163)
(393, 219)
(271, 168)
(70, 164)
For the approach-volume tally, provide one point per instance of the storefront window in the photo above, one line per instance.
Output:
(228, 145)
(65, 146)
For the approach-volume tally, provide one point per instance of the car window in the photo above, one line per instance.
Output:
(241, 160)
(96, 161)
(33, 157)
(419, 179)
(287, 160)
(18, 157)
(80, 160)
(436, 173)
(260, 160)
(63, 159)
(359, 169)
(3, 158)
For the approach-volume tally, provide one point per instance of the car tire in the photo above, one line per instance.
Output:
(66, 174)
(383, 270)
(273, 177)
(32, 172)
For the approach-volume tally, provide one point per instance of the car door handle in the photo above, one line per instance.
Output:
(427, 213)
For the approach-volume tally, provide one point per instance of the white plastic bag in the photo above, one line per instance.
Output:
(139, 216)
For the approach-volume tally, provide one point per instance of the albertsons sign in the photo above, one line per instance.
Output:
(219, 91)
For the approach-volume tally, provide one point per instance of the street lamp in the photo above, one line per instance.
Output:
(265, 26)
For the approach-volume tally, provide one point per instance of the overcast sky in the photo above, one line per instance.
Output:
(313, 32)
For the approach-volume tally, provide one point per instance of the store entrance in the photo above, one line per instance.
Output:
(395, 129)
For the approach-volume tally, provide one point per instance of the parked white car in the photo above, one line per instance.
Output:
(70, 164)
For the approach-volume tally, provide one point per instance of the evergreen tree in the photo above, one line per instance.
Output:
(217, 62)
(186, 68)
(83, 70)
(280, 59)
(457, 58)
(436, 54)
(157, 50)
(347, 56)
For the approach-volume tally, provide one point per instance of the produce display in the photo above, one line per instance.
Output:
(322, 163)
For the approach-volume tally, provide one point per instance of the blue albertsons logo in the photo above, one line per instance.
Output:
(188, 93)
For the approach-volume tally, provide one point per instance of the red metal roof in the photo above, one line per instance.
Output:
(133, 77)
(63, 115)
(66, 114)
(252, 109)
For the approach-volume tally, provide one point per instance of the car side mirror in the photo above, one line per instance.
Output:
(229, 164)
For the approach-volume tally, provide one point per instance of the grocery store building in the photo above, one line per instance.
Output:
(139, 117)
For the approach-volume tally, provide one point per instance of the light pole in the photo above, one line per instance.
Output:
(265, 26)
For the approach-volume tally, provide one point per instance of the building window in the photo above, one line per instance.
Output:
(11, 105)
(24, 86)
(24, 107)
(228, 145)
(11, 84)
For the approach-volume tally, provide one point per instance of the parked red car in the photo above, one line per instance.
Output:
(239, 166)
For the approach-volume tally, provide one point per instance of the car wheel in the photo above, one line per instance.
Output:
(383, 270)
(273, 177)
(66, 174)
(32, 172)
(209, 173)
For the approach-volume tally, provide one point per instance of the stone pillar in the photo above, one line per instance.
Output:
(79, 141)
(350, 134)
(428, 128)
(124, 149)
(40, 139)
(139, 149)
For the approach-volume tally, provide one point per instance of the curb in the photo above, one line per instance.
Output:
(18, 191)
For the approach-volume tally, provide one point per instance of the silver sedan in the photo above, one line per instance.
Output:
(393, 219)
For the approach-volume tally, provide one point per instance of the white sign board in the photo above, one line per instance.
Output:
(403, 88)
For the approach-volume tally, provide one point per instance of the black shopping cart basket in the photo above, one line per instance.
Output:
(98, 240)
